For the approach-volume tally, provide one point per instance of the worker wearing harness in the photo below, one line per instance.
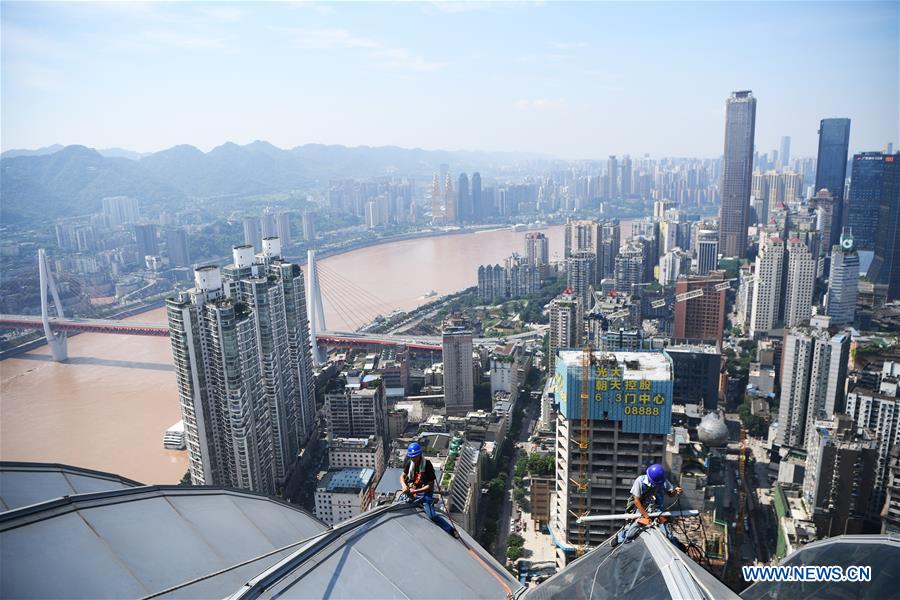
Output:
(648, 495)
(417, 484)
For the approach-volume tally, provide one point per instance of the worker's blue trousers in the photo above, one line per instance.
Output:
(427, 502)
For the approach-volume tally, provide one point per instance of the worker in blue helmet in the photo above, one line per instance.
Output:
(648, 494)
(417, 483)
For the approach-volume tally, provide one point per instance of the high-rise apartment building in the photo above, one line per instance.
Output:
(459, 384)
(581, 235)
(701, 317)
(267, 224)
(177, 248)
(240, 341)
(831, 165)
(813, 378)
(437, 213)
(629, 267)
(767, 286)
(824, 205)
(625, 186)
(801, 279)
(707, 251)
(878, 410)
(566, 324)
(581, 269)
(737, 169)
(357, 413)
(145, 239)
(843, 281)
(629, 414)
(120, 210)
(252, 235)
(283, 225)
(537, 252)
(309, 226)
(884, 271)
(608, 249)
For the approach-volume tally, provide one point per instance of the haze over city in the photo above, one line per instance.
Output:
(565, 80)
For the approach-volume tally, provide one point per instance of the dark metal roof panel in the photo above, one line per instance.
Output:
(23, 484)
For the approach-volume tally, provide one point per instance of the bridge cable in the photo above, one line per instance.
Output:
(378, 303)
(347, 314)
(339, 291)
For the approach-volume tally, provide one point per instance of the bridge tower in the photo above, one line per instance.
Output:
(56, 340)
(314, 305)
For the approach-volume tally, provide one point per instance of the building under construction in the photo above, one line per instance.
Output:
(607, 433)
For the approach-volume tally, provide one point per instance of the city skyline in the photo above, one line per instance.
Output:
(520, 89)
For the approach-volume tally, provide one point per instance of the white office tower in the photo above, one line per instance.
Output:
(843, 282)
(878, 410)
(459, 384)
(707, 251)
(813, 376)
(566, 324)
(801, 279)
(672, 264)
(244, 372)
(767, 286)
(581, 268)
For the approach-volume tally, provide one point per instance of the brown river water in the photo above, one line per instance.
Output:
(108, 407)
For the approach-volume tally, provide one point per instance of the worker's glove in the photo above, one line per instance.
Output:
(645, 521)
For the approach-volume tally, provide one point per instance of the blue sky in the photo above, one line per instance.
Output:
(573, 80)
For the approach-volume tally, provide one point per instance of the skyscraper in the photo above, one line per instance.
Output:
(737, 169)
(177, 248)
(813, 374)
(581, 268)
(309, 226)
(703, 317)
(120, 210)
(707, 251)
(463, 199)
(608, 249)
(252, 235)
(459, 385)
(626, 176)
(612, 170)
(480, 211)
(145, 238)
(831, 166)
(451, 206)
(767, 286)
(243, 368)
(801, 278)
(885, 268)
(865, 193)
(843, 282)
(785, 151)
(629, 267)
(437, 215)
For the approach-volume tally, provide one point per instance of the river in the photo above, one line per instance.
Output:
(109, 405)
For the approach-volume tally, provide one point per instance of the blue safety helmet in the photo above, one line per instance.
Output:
(413, 450)
(656, 474)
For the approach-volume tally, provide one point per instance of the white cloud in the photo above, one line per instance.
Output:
(184, 41)
(327, 38)
(231, 14)
(398, 58)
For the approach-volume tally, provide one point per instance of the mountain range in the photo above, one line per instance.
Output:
(58, 181)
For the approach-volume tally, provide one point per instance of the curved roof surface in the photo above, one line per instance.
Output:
(393, 551)
(205, 542)
(648, 568)
(23, 483)
(880, 552)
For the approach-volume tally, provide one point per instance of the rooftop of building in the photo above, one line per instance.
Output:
(347, 443)
(348, 479)
(24, 484)
(645, 365)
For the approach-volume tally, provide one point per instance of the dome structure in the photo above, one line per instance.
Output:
(712, 431)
